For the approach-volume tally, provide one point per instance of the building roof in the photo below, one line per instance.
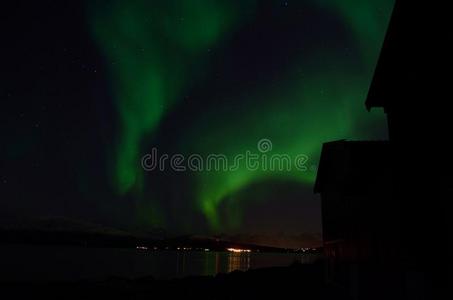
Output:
(405, 56)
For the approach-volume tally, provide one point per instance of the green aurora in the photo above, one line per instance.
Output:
(156, 52)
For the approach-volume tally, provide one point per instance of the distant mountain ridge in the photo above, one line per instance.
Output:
(65, 231)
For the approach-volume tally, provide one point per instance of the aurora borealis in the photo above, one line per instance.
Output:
(215, 77)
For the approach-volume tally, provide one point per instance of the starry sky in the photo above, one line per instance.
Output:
(89, 87)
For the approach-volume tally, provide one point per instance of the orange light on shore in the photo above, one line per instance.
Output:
(239, 250)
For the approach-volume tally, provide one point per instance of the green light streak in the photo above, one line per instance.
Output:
(155, 51)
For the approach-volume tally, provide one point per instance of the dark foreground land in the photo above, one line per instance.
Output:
(294, 282)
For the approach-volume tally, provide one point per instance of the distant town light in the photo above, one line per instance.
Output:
(239, 250)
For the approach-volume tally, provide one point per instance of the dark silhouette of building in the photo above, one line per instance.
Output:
(386, 206)
(358, 222)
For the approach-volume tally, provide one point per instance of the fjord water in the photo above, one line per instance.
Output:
(58, 263)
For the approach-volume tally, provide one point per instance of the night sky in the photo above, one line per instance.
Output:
(89, 87)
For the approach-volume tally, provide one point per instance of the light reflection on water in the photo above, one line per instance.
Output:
(238, 261)
(211, 263)
(44, 263)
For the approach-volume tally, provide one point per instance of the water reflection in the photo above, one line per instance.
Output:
(180, 262)
(211, 263)
(238, 261)
(74, 263)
